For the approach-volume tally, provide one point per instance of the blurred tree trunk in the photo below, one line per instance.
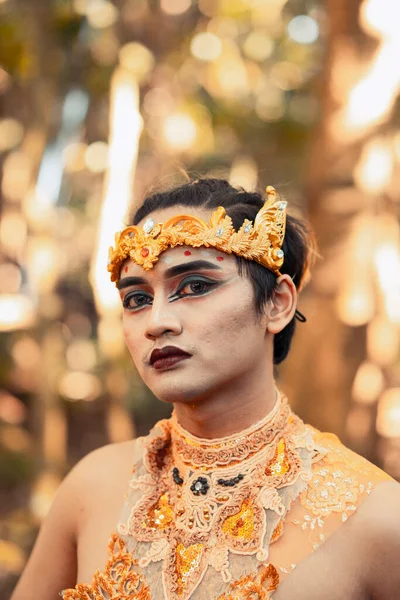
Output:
(326, 353)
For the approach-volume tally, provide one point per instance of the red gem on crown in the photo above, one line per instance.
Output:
(144, 252)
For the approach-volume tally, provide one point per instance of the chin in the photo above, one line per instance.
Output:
(173, 394)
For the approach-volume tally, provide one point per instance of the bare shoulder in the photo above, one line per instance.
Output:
(101, 473)
(379, 527)
(52, 565)
(103, 461)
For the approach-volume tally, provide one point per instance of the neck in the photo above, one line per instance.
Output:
(231, 410)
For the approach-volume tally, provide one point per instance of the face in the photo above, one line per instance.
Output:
(194, 299)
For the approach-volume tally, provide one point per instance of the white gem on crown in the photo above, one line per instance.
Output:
(220, 231)
(282, 205)
(148, 225)
(279, 253)
(247, 227)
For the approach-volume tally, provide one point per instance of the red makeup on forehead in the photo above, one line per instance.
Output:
(220, 258)
(187, 253)
(126, 269)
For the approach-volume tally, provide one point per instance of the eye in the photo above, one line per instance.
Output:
(196, 286)
(132, 301)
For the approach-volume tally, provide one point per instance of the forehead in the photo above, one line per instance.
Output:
(180, 254)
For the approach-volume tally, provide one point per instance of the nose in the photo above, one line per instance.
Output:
(162, 318)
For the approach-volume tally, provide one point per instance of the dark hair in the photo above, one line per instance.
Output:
(209, 193)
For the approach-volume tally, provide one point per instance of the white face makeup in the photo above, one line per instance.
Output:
(194, 299)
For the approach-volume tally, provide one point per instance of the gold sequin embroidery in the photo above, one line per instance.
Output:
(187, 561)
(160, 515)
(242, 524)
(280, 464)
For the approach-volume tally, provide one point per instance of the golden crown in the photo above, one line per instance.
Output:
(261, 242)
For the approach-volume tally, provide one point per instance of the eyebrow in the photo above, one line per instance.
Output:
(194, 265)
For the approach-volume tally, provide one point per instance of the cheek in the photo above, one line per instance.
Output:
(130, 332)
(230, 324)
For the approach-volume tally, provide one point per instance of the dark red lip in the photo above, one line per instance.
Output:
(165, 352)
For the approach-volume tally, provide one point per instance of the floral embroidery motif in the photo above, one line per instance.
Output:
(252, 587)
(191, 532)
(339, 479)
(118, 581)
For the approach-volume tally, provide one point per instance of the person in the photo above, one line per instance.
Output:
(233, 497)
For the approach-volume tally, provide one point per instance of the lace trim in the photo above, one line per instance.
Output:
(232, 450)
(117, 581)
(250, 586)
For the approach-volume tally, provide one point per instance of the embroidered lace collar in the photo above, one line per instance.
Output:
(210, 454)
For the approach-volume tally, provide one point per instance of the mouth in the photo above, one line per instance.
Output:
(169, 361)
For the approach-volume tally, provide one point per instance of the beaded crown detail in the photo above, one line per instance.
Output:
(261, 242)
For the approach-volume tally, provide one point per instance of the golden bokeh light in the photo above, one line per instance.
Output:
(13, 232)
(74, 157)
(180, 131)
(77, 385)
(43, 494)
(244, 172)
(81, 354)
(383, 341)
(16, 312)
(26, 352)
(110, 337)
(11, 134)
(368, 383)
(270, 104)
(374, 169)
(17, 174)
(258, 45)
(96, 157)
(175, 7)
(388, 418)
(206, 46)
(12, 410)
(101, 14)
(45, 262)
(387, 264)
(356, 298)
(12, 558)
(137, 59)
(227, 76)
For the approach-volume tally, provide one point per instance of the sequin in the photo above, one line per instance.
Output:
(242, 524)
(280, 463)
(160, 515)
(187, 561)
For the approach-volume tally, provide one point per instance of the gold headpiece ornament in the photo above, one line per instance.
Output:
(261, 242)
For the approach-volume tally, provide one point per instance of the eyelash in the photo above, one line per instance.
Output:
(187, 282)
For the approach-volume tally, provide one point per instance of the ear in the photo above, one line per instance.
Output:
(282, 304)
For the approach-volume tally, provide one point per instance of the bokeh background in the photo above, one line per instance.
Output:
(101, 101)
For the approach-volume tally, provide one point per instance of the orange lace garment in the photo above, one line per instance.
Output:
(228, 518)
